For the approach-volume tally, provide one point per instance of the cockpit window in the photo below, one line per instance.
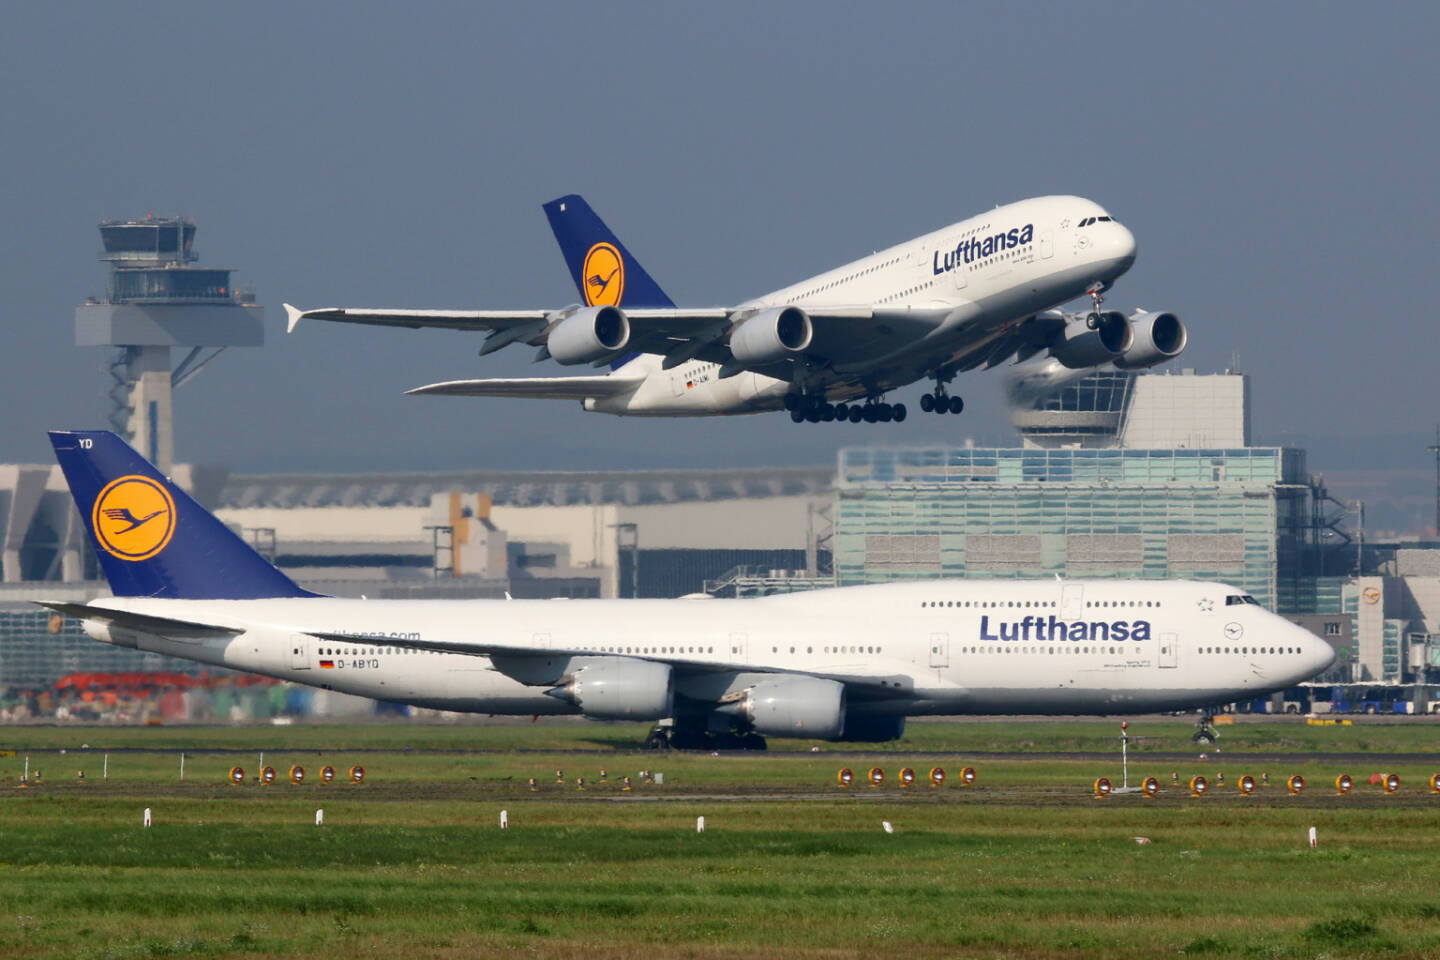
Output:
(1087, 221)
(1103, 219)
(1239, 599)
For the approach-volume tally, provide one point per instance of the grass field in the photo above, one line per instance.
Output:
(1025, 863)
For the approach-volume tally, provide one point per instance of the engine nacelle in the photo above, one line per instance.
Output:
(616, 689)
(589, 334)
(1078, 347)
(796, 707)
(771, 335)
(1158, 337)
(865, 728)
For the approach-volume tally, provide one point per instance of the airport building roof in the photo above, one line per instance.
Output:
(520, 489)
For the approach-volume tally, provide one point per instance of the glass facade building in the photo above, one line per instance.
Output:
(1232, 515)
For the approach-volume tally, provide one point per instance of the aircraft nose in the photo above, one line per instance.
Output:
(1318, 654)
(1124, 244)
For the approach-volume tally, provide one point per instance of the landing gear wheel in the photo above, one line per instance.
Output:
(927, 402)
(1096, 298)
(883, 412)
(1205, 733)
(797, 416)
(812, 415)
(869, 413)
(827, 413)
(793, 402)
(957, 405)
(857, 414)
(753, 741)
(841, 412)
(899, 412)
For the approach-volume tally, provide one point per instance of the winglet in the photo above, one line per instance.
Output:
(292, 317)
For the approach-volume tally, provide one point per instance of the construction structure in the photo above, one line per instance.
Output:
(157, 300)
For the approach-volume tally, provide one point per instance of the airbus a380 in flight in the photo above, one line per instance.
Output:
(976, 293)
(849, 663)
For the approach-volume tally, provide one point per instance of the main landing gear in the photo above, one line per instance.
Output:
(692, 736)
(941, 402)
(814, 410)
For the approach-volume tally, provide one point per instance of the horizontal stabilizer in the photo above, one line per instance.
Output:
(139, 621)
(531, 388)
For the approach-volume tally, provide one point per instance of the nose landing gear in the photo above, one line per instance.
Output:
(1096, 294)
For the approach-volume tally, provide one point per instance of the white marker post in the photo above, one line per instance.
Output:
(25, 777)
(699, 824)
(147, 816)
(105, 773)
(504, 820)
(319, 818)
(887, 826)
(1124, 756)
(182, 766)
(1314, 840)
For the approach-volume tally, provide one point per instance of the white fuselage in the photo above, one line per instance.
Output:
(960, 298)
(939, 647)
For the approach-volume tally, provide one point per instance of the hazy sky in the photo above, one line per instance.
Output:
(1275, 162)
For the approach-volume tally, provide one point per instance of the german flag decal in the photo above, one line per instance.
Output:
(327, 664)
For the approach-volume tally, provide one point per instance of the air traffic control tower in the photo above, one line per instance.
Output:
(157, 300)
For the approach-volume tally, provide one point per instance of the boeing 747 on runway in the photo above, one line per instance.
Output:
(848, 663)
(974, 294)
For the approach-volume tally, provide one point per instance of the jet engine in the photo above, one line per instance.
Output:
(796, 707)
(771, 335)
(867, 728)
(589, 334)
(1158, 337)
(618, 689)
(1079, 346)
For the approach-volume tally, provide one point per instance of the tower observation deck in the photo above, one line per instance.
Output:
(157, 299)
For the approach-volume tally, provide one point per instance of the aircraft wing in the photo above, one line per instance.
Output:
(662, 321)
(532, 388)
(868, 686)
(842, 333)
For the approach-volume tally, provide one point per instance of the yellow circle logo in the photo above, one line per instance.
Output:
(603, 276)
(133, 518)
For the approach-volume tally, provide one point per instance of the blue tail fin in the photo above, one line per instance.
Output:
(153, 540)
(603, 270)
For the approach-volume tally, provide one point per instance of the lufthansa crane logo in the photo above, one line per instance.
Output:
(603, 276)
(133, 518)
